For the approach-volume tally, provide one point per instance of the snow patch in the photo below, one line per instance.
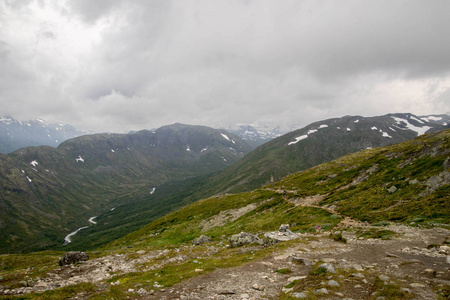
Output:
(225, 137)
(79, 159)
(433, 118)
(348, 129)
(356, 121)
(323, 126)
(112, 209)
(153, 191)
(112, 150)
(204, 149)
(385, 134)
(34, 163)
(418, 130)
(298, 139)
(418, 120)
(374, 128)
(311, 131)
(187, 148)
(91, 220)
(29, 179)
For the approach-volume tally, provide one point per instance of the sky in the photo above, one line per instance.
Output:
(116, 66)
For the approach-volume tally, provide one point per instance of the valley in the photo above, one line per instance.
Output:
(367, 225)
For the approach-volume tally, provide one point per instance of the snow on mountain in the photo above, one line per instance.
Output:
(15, 134)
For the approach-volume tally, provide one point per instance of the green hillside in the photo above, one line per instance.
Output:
(46, 192)
(363, 196)
(317, 143)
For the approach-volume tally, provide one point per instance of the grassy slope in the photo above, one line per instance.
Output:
(398, 165)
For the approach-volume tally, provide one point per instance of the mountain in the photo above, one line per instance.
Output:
(367, 225)
(371, 224)
(49, 192)
(321, 142)
(256, 136)
(15, 134)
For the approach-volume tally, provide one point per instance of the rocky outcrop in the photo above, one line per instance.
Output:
(72, 258)
(200, 240)
(242, 239)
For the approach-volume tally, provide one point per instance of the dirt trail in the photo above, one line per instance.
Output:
(419, 272)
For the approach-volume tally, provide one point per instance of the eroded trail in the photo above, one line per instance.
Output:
(403, 262)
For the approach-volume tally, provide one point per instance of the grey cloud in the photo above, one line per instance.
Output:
(211, 62)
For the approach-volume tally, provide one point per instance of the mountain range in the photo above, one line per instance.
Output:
(369, 225)
(48, 192)
(127, 180)
(15, 134)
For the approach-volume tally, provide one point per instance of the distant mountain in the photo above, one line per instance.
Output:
(321, 142)
(15, 134)
(46, 192)
(256, 136)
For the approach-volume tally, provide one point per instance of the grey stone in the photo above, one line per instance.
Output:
(200, 240)
(383, 277)
(298, 295)
(329, 267)
(333, 283)
(321, 291)
(242, 239)
(392, 189)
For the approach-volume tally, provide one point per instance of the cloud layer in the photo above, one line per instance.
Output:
(116, 65)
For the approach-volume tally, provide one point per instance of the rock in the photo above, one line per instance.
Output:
(290, 279)
(301, 260)
(72, 258)
(333, 283)
(329, 260)
(298, 295)
(417, 285)
(329, 267)
(243, 238)
(392, 255)
(140, 252)
(200, 240)
(448, 259)
(142, 292)
(198, 270)
(287, 290)
(258, 287)
(284, 227)
(358, 275)
(321, 291)
(383, 278)
(392, 189)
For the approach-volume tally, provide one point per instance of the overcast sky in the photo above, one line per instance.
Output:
(112, 65)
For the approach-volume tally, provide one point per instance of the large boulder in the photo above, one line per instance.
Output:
(72, 258)
(200, 240)
(243, 238)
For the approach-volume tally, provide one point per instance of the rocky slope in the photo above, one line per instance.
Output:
(351, 235)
